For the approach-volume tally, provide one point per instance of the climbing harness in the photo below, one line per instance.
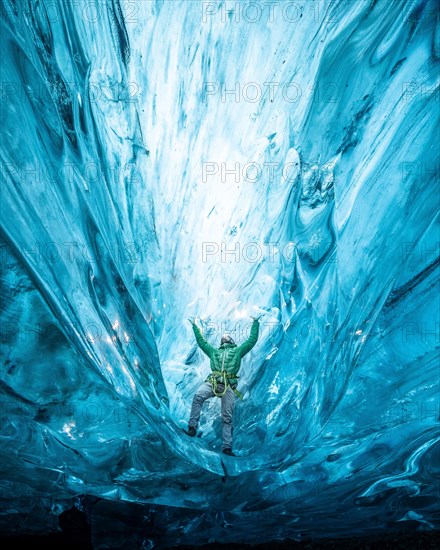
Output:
(222, 377)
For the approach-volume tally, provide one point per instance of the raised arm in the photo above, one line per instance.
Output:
(252, 340)
(204, 345)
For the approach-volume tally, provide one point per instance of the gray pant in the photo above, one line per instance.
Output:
(228, 401)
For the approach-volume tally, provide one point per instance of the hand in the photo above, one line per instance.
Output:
(192, 321)
(256, 318)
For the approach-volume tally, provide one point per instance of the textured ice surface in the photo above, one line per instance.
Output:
(120, 121)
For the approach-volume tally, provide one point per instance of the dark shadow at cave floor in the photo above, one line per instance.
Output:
(393, 541)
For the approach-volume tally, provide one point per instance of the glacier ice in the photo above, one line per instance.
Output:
(170, 159)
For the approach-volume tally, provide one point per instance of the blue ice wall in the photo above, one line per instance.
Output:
(171, 159)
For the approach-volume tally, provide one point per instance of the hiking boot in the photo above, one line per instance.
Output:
(228, 452)
(191, 431)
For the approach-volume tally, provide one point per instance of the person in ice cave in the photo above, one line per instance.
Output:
(222, 382)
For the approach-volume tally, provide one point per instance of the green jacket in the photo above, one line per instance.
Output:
(231, 353)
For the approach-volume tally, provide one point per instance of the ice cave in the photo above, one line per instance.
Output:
(173, 160)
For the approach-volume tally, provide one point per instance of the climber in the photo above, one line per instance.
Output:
(222, 382)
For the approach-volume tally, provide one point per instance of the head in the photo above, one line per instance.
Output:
(226, 339)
